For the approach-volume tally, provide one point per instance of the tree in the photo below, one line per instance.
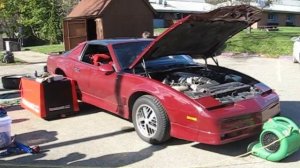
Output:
(38, 18)
(8, 17)
(68, 6)
(43, 18)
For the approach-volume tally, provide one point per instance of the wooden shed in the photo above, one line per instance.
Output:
(102, 19)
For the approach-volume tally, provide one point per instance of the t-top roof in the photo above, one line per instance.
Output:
(117, 41)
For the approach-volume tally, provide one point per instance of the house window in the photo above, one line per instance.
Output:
(290, 19)
(272, 17)
(178, 16)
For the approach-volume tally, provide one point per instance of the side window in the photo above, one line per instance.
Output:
(94, 54)
(75, 52)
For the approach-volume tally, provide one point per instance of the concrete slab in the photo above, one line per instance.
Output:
(31, 56)
(21, 69)
(98, 139)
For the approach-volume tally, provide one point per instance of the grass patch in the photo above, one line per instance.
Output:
(270, 44)
(159, 30)
(46, 49)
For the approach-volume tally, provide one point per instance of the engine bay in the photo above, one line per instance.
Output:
(225, 87)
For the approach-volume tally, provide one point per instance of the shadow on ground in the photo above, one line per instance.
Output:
(231, 149)
(76, 158)
(39, 137)
(127, 158)
(13, 108)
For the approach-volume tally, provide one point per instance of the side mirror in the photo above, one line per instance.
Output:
(107, 68)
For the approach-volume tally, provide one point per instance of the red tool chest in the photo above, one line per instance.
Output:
(49, 98)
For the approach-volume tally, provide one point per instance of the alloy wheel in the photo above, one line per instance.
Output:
(146, 120)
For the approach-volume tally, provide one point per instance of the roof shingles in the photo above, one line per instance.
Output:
(87, 8)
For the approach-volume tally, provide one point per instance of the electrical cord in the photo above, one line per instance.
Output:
(215, 164)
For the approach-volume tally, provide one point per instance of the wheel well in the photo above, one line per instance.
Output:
(59, 71)
(132, 99)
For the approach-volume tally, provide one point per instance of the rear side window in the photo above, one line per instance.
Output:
(75, 52)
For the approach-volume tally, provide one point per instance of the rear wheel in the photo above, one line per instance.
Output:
(60, 72)
(150, 120)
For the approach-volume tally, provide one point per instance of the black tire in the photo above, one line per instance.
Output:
(60, 72)
(162, 123)
(11, 81)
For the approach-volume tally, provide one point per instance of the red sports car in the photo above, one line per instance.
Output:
(156, 84)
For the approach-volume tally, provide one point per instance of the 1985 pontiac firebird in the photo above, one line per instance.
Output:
(156, 84)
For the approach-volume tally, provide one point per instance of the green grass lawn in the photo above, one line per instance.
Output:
(159, 30)
(46, 49)
(270, 44)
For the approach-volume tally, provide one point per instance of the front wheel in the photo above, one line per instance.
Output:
(150, 120)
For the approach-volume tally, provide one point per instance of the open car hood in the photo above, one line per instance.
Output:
(201, 35)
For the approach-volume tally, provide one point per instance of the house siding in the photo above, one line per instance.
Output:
(297, 21)
(281, 19)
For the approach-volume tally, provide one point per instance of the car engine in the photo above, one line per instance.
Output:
(224, 87)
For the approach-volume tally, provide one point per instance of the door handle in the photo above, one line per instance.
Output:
(76, 69)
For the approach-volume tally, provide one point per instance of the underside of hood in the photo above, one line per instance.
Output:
(201, 35)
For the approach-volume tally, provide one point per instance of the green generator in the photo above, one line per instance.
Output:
(280, 138)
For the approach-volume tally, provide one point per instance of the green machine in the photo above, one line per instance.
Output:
(280, 138)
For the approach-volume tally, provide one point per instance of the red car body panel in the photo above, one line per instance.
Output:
(104, 93)
(203, 120)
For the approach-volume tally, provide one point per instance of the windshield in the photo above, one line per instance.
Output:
(127, 52)
(171, 61)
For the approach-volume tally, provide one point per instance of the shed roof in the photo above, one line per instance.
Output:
(88, 8)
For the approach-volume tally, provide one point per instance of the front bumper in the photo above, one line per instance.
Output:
(229, 129)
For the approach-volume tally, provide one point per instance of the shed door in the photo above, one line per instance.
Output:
(99, 28)
(74, 32)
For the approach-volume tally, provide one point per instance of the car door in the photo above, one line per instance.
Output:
(81, 71)
(103, 87)
(96, 86)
